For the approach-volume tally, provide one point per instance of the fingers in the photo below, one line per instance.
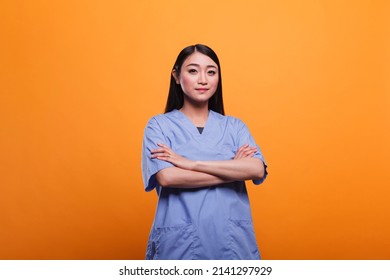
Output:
(250, 151)
(163, 153)
(162, 145)
(243, 147)
(240, 151)
(160, 155)
(163, 148)
(245, 151)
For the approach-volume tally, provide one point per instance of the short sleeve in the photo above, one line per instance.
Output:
(244, 137)
(153, 134)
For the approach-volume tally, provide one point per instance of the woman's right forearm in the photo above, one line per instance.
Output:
(175, 177)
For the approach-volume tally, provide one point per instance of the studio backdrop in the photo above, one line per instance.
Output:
(80, 79)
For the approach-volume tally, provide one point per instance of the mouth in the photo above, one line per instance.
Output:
(202, 89)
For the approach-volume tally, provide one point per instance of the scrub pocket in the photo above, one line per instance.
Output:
(242, 241)
(172, 243)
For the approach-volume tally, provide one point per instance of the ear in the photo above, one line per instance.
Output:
(175, 76)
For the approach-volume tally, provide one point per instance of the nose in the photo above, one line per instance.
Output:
(202, 78)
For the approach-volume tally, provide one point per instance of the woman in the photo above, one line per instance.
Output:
(197, 159)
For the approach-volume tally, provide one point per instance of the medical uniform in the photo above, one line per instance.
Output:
(199, 223)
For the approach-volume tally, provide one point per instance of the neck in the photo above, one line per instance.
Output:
(198, 115)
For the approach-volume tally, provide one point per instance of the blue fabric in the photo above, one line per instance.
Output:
(200, 223)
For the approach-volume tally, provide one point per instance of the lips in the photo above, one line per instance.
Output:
(202, 89)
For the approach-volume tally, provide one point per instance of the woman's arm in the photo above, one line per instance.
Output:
(235, 170)
(176, 177)
(206, 173)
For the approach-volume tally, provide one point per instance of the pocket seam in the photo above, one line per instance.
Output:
(186, 227)
(248, 224)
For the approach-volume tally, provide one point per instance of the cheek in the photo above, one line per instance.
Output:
(185, 81)
(215, 83)
(185, 85)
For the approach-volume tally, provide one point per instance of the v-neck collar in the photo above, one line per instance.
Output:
(193, 128)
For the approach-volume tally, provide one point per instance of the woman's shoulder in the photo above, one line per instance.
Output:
(161, 118)
(228, 119)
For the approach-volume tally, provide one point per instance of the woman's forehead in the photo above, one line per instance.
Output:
(199, 59)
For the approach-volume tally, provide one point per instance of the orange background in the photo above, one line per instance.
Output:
(80, 79)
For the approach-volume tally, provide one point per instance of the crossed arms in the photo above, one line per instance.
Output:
(191, 174)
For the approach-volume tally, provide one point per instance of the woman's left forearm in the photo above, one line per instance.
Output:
(237, 169)
(242, 167)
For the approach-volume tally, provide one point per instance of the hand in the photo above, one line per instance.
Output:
(245, 151)
(165, 153)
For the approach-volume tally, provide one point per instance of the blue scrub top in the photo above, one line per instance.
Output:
(201, 223)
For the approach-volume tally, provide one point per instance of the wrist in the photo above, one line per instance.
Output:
(195, 165)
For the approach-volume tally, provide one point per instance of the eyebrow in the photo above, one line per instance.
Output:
(208, 66)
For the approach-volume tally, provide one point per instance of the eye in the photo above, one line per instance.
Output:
(192, 71)
(211, 72)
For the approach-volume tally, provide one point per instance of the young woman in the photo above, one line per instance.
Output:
(198, 159)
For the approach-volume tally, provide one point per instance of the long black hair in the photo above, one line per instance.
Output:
(176, 95)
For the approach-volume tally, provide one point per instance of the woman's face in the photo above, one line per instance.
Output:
(198, 78)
